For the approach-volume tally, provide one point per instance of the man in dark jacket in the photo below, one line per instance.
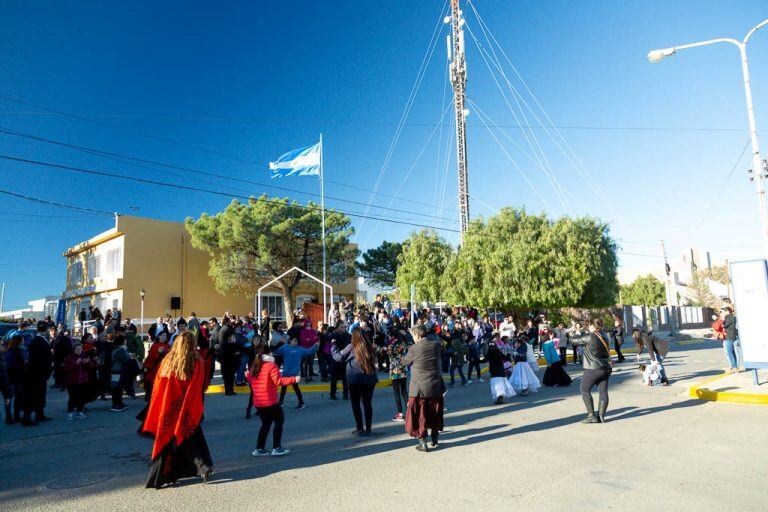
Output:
(341, 338)
(36, 377)
(229, 356)
(425, 392)
(62, 347)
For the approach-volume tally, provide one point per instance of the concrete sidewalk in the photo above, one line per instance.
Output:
(733, 387)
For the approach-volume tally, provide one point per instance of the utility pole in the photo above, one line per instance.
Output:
(2, 298)
(458, 70)
(670, 292)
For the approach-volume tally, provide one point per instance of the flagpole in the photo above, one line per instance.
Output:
(322, 210)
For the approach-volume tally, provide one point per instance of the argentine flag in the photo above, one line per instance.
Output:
(299, 162)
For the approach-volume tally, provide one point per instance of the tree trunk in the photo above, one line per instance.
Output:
(288, 306)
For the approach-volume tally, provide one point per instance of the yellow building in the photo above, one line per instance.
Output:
(110, 270)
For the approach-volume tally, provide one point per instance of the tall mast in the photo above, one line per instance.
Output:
(458, 70)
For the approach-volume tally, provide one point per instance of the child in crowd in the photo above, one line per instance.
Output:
(77, 371)
(264, 378)
(653, 374)
(396, 349)
(293, 355)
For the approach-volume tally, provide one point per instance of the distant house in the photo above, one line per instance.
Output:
(37, 310)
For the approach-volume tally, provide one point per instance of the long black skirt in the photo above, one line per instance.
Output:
(555, 375)
(189, 459)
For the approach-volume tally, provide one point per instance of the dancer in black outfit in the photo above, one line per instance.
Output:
(597, 369)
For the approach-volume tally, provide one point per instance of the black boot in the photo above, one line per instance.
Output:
(422, 446)
(435, 435)
(8, 414)
(590, 405)
(601, 408)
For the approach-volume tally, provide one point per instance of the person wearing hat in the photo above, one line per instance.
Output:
(36, 377)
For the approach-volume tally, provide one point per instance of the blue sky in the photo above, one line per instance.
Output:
(248, 81)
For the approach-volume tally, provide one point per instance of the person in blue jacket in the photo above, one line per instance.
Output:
(292, 355)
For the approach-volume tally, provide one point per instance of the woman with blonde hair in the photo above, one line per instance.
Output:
(174, 416)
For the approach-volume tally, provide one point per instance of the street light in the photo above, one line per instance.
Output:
(759, 167)
(655, 56)
(142, 292)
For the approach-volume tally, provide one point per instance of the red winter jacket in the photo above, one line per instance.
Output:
(77, 373)
(264, 385)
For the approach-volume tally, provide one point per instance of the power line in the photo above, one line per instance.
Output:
(55, 204)
(311, 122)
(185, 187)
(414, 224)
(727, 181)
(100, 152)
(174, 142)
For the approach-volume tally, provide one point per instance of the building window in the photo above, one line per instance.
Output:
(75, 273)
(93, 264)
(114, 262)
(273, 304)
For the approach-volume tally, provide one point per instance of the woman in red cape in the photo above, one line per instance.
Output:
(175, 414)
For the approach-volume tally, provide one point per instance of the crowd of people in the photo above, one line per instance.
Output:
(415, 349)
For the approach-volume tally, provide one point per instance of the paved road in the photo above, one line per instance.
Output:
(660, 451)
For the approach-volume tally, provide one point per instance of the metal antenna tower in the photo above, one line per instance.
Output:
(458, 69)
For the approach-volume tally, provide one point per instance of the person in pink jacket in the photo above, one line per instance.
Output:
(307, 338)
(264, 378)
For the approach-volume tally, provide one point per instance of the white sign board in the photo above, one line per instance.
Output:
(750, 289)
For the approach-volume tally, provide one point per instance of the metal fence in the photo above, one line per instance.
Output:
(659, 318)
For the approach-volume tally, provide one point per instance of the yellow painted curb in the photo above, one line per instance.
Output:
(703, 393)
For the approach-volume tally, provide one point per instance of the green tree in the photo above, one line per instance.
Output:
(514, 260)
(254, 242)
(716, 273)
(379, 265)
(644, 291)
(423, 262)
(702, 295)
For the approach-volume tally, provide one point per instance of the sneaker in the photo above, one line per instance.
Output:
(301, 406)
(80, 416)
(333, 397)
(357, 432)
(480, 380)
(259, 452)
(118, 409)
(469, 381)
(70, 416)
(398, 417)
(279, 452)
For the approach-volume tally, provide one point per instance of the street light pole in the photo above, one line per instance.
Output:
(142, 292)
(759, 168)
